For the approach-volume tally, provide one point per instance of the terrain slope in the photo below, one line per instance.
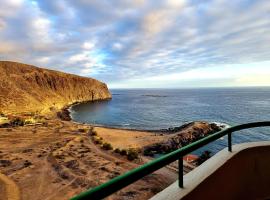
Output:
(27, 89)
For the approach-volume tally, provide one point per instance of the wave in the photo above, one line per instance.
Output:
(125, 124)
(153, 95)
(222, 125)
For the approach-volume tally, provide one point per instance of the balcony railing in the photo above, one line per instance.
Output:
(126, 179)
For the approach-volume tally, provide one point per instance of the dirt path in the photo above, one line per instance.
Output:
(169, 172)
(58, 161)
(12, 191)
(109, 156)
(42, 178)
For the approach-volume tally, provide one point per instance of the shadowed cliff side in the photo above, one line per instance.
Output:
(29, 89)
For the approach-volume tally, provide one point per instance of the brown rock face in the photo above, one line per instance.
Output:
(25, 88)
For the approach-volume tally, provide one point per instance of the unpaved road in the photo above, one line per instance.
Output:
(58, 160)
(8, 189)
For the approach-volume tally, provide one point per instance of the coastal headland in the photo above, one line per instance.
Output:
(26, 89)
(43, 154)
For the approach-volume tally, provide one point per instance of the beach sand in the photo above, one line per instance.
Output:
(125, 139)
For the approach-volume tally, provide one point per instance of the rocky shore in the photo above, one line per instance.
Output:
(181, 136)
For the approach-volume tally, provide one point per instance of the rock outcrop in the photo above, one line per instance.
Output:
(181, 136)
(29, 89)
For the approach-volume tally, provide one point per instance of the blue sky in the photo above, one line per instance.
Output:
(139, 43)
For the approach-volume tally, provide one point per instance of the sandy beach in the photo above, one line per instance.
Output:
(124, 139)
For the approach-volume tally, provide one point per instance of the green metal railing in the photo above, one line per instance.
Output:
(126, 179)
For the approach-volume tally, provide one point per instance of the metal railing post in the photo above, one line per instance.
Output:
(180, 173)
(230, 142)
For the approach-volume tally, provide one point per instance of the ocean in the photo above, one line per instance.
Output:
(154, 109)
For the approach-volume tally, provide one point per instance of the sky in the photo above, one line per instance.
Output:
(142, 43)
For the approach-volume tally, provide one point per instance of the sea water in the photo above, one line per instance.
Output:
(154, 109)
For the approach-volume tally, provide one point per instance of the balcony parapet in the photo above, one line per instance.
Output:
(243, 173)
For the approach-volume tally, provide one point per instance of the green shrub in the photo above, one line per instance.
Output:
(90, 130)
(28, 121)
(94, 133)
(95, 137)
(132, 154)
(148, 152)
(82, 130)
(97, 140)
(17, 122)
(107, 146)
(123, 152)
(117, 150)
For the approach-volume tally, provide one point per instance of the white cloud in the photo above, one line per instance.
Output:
(88, 45)
(176, 3)
(43, 60)
(117, 46)
(8, 8)
(78, 57)
(151, 40)
(40, 29)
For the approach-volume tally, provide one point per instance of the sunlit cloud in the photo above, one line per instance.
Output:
(171, 43)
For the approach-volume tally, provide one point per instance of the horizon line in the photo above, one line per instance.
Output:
(207, 87)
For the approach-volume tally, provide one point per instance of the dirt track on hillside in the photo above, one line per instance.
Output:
(58, 161)
(8, 189)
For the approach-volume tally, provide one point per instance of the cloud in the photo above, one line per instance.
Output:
(119, 42)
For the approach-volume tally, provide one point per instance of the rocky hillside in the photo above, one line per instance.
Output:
(29, 89)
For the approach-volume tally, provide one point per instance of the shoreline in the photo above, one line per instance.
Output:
(169, 130)
(65, 114)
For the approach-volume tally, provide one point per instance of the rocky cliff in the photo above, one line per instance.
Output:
(27, 89)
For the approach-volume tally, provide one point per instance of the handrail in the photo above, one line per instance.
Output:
(129, 177)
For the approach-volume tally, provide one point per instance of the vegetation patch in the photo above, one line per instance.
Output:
(82, 130)
(3, 120)
(107, 146)
(117, 150)
(132, 154)
(123, 152)
(17, 122)
(13, 121)
(92, 132)
(97, 140)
